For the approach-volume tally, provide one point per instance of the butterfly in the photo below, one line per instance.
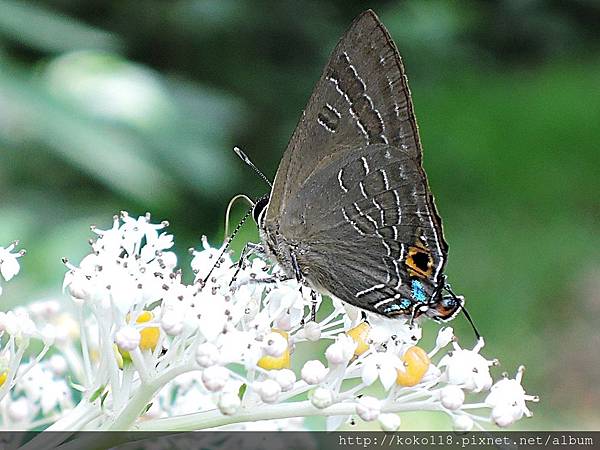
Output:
(350, 212)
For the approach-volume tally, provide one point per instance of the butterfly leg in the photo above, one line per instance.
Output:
(297, 271)
(299, 279)
(412, 315)
(267, 280)
(249, 249)
(313, 307)
(313, 294)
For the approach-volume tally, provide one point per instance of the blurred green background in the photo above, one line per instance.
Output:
(109, 105)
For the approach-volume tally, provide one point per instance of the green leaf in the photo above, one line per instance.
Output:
(147, 408)
(103, 398)
(97, 393)
(46, 30)
(242, 391)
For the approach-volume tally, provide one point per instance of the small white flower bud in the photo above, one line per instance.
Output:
(172, 322)
(18, 410)
(286, 379)
(452, 396)
(503, 415)
(27, 327)
(368, 408)
(389, 422)
(207, 354)
(321, 398)
(284, 322)
(48, 335)
(229, 403)
(11, 326)
(335, 354)
(79, 287)
(58, 364)
(275, 344)
(462, 423)
(51, 308)
(215, 377)
(312, 331)
(46, 308)
(341, 351)
(269, 391)
(313, 372)
(468, 369)
(444, 337)
(127, 338)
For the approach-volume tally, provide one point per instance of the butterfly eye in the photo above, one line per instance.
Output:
(449, 303)
(446, 308)
(259, 207)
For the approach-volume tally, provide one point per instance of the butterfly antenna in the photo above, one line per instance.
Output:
(464, 310)
(238, 151)
(227, 241)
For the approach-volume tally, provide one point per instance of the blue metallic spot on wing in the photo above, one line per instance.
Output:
(418, 292)
(405, 303)
(391, 308)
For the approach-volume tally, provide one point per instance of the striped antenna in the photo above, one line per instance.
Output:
(238, 151)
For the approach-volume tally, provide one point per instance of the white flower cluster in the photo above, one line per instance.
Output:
(229, 350)
(40, 395)
(33, 391)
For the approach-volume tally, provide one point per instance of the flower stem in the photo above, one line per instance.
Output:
(143, 396)
(214, 418)
(87, 366)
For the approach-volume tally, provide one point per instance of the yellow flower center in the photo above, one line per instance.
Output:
(359, 334)
(148, 336)
(268, 362)
(145, 316)
(416, 362)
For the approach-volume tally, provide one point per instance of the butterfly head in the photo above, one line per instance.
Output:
(445, 307)
(259, 209)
